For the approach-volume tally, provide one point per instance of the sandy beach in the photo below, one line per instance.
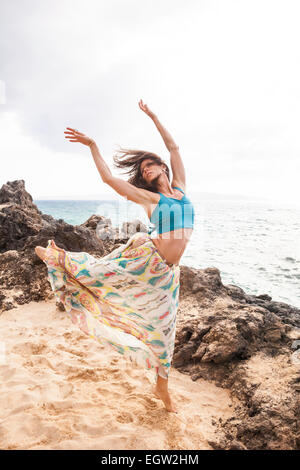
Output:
(61, 389)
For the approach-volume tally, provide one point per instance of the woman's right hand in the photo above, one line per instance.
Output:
(146, 110)
(75, 136)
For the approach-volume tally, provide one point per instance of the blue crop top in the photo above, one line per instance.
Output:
(171, 214)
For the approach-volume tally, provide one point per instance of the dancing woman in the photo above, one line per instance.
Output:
(128, 299)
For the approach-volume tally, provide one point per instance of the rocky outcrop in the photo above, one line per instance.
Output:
(240, 343)
(19, 217)
(246, 343)
(228, 328)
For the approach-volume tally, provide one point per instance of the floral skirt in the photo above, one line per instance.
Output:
(127, 299)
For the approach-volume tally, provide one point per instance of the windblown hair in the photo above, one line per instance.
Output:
(131, 161)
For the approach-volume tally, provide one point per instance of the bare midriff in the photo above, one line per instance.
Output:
(171, 245)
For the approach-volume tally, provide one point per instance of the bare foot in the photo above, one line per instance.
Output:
(55, 246)
(40, 251)
(165, 397)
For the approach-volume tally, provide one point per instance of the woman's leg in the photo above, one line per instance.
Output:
(160, 390)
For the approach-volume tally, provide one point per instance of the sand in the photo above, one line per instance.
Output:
(61, 389)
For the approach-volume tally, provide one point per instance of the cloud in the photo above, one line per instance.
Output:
(223, 77)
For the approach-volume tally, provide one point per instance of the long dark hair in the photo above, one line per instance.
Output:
(131, 161)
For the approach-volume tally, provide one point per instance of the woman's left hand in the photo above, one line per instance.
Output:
(146, 110)
(75, 136)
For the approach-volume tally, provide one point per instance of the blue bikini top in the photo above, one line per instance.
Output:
(171, 214)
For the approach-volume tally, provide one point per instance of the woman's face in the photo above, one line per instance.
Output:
(150, 170)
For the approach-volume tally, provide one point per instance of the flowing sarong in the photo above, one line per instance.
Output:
(127, 299)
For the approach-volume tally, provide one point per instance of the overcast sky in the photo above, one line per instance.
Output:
(222, 76)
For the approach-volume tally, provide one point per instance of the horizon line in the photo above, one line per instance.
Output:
(116, 197)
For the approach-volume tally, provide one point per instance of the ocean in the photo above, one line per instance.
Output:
(255, 244)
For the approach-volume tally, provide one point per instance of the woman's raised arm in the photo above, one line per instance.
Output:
(177, 166)
(138, 195)
(75, 136)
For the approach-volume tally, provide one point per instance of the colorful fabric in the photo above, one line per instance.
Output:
(127, 299)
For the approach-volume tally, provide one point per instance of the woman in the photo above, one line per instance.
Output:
(129, 298)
